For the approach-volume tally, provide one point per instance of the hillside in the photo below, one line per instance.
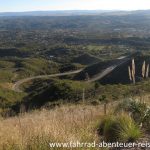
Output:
(86, 59)
(120, 74)
(93, 70)
(36, 129)
(64, 77)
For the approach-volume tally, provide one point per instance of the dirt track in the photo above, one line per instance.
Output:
(16, 86)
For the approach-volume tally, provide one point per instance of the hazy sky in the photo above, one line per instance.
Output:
(30, 5)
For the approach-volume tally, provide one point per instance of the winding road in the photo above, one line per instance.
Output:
(16, 86)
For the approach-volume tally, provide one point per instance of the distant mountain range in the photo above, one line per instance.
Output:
(74, 13)
(55, 13)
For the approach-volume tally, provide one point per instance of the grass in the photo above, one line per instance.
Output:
(6, 75)
(86, 59)
(128, 130)
(12, 69)
(119, 128)
(36, 129)
(47, 91)
(37, 66)
(95, 47)
(139, 110)
(6, 64)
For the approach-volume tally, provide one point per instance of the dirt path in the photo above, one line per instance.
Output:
(103, 73)
(16, 86)
(108, 70)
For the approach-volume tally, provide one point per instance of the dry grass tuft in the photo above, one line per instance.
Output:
(6, 85)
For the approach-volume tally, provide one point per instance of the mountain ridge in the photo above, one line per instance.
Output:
(73, 12)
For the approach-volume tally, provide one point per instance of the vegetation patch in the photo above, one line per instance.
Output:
(119, 128)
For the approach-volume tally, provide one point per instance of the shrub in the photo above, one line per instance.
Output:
(107, 128)
(127, 129)
(119, 128)
(139, 111)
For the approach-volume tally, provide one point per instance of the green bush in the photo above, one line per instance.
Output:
(139, 111)
(128, 130)
(119, 128)
(107, 128)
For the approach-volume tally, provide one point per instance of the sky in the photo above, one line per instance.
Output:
(36, 5)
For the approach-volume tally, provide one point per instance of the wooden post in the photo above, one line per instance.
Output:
(105, 108)
(83, 95)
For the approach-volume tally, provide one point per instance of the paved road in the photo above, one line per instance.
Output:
(16, 86)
